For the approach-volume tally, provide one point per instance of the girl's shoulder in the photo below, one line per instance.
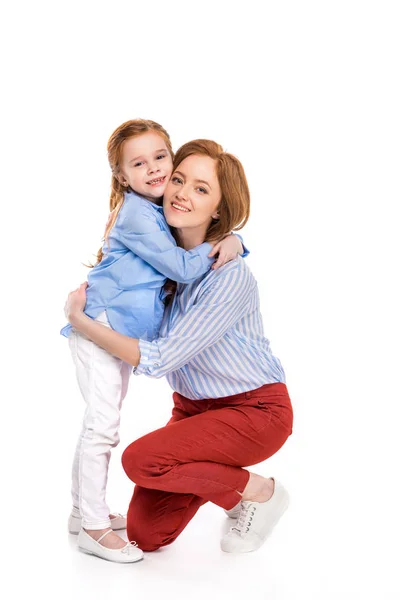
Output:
(136, 206)
(133, 200)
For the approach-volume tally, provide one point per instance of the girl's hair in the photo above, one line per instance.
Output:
(234, 208)
(115, 146)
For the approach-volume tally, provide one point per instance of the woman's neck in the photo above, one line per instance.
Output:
(190, 237)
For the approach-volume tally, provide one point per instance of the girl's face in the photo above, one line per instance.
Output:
(146, 165)
(193, 194)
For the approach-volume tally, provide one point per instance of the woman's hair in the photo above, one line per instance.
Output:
(234, 208)
(115, 146)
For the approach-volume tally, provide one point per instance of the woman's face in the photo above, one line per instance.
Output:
(146, 165)
(193, 194)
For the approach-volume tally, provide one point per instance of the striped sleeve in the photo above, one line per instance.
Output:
(220, 305)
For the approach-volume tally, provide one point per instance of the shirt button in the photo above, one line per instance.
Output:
(156, 364)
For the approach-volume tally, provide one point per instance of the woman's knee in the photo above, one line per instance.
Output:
(139, 462)
(132, 459)
(147, 519)
(147, 541)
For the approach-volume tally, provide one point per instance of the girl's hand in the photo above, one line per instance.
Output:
(75, 302)
(228, 249)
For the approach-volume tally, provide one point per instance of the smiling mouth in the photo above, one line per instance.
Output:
(157, 181)
(178, 207)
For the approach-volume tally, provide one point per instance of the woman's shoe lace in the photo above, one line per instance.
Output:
(245, 518)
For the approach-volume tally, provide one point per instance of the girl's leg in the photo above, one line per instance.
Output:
(103, 381)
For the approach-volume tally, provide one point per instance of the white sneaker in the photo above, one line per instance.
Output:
(128, 554)
(234, 512)
(255, 522)
(75, 523)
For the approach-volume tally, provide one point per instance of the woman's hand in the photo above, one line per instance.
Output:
(75, 302)
(122, 346)
(227, 250)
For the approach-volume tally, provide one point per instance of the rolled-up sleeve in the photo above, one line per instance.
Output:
(150, 358)
(220, 306)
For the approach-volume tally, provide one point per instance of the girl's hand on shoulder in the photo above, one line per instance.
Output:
(75, 302)
(227, 249)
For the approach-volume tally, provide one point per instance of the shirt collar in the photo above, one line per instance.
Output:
(159, 208)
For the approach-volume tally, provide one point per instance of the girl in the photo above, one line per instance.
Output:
(125, 293)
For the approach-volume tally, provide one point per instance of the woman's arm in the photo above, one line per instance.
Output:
(122, 346)
(223, 301)
(221, 304)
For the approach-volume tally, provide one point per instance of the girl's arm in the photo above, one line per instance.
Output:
(140, 232)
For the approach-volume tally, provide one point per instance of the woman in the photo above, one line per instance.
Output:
(231, 405)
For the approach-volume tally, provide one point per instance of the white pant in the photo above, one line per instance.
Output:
(103, 381)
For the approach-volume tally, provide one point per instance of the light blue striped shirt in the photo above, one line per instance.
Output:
(212, 340)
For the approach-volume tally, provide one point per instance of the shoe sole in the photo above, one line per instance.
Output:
(124, 562)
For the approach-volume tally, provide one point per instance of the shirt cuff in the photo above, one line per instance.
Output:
(246, 251)
(150, 358)
(204, 250)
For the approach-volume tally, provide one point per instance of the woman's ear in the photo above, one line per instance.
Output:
(215, 216)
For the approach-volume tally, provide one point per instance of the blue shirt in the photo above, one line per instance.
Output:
(212, 340)
(139, 255)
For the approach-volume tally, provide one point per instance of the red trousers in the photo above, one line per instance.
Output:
(198, 457)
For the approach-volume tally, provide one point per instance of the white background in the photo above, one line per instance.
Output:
(306, 94)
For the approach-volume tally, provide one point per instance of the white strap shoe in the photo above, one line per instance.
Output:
(255, 522)
(75, 523)
(128, 554)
